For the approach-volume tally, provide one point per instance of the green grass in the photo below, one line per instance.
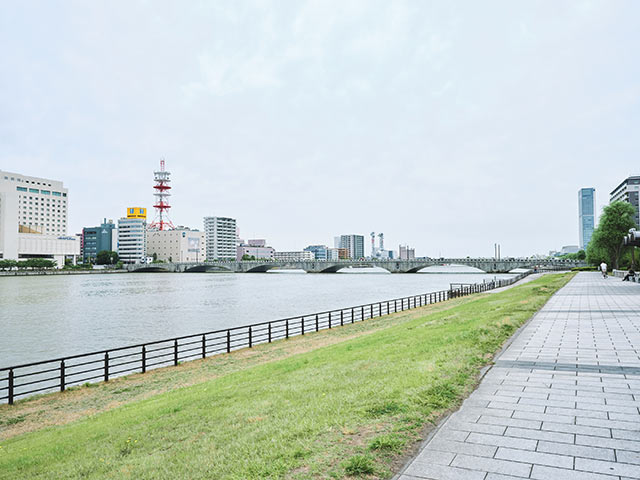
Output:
(345, 410)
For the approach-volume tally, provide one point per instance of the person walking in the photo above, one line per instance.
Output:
(603, 269)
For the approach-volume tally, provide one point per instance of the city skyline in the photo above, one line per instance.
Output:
(409, 119)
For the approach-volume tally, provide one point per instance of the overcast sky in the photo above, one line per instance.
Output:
(446, 125)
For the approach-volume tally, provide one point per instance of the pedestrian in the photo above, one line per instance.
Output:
(603, 269)
(631, 275)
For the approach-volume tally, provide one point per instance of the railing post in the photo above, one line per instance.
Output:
(329, 320)
(175, 352)
(362, 313)
(317, 325)
(228, 341)
(286, 328)
(204, 346)
(251, 335)
(62, 377)
(341, 318)
(144, 359)
(352, 315)
(302, 326)
(10, 392)
(371, 311)
(106, 366)
(395, 306)
(379, 309)
(387, 308)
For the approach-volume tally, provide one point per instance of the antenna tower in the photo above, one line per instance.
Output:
(162, 187)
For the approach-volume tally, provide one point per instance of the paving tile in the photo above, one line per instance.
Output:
(628, 457)
(557, 437)
(470, 448)
(537, 458)
(611, 468)
(492, 465)
(442, 472)
(578, 429)
(576, 450)
(541, 472)
(513, 442)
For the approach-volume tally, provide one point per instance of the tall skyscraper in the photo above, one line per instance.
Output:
(354, 244)
(221, 238)
(586, 215)
(132, 236)
(628, 192)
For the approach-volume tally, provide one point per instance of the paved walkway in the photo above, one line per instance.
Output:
(562, 402)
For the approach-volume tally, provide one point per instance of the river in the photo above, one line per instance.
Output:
(51, 316)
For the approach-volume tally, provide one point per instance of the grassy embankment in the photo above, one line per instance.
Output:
(352, 406)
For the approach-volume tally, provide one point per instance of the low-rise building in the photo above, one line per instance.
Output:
(294, 256)
(179, 245)
(255, 249)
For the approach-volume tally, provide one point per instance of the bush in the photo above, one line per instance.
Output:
(359, 465)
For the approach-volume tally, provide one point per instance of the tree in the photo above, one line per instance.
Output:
(106, 257)
(246, 256)
(606, 241)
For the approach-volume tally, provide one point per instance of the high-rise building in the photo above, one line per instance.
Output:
(132, 239)
(354, 244)
(628, 192)
(178, 245)
(586, 215)
(33, 219)
(320, 252)
(221, 238)
(406, 253)
(96, 239)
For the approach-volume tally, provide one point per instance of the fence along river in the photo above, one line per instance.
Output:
(59, 373)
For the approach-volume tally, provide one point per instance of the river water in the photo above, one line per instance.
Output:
(43, 317)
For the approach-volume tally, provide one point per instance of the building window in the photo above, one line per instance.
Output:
(21, 189)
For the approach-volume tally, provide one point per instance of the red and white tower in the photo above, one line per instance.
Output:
(162, 187)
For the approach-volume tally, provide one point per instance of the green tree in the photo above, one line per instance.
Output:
(606, 241)
(106, 257)
(248, 257)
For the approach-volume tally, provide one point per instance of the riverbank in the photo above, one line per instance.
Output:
(346, 401)
(29, 273)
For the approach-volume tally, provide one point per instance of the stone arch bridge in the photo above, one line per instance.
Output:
(488, 265)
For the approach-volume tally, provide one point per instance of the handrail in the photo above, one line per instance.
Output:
(222, 341)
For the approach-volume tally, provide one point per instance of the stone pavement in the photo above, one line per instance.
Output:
(561, 401)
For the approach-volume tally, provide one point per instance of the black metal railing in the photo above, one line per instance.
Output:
(61, 373)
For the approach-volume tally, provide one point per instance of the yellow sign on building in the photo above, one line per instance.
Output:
(136, 212)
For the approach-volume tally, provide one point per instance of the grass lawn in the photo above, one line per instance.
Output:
(350, 407)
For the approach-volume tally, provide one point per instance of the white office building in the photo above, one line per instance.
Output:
(354, 244)
(132, 240)
(33, 219)
(304, 255)
(179, 245)
(221, 238)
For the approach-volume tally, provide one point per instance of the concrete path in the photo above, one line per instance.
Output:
(562, 401)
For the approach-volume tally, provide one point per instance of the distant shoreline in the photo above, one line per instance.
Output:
(27, 273)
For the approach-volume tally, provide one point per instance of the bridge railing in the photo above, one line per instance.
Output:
(58, 374)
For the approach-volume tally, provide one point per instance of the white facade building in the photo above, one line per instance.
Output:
(179, 245)
(132, 240)
(33, 219)
(304, 255)
(221, 238)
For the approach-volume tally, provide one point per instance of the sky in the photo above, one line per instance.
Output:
(449, 125)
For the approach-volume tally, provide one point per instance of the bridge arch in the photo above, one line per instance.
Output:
(208, 269)
(152, 268)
